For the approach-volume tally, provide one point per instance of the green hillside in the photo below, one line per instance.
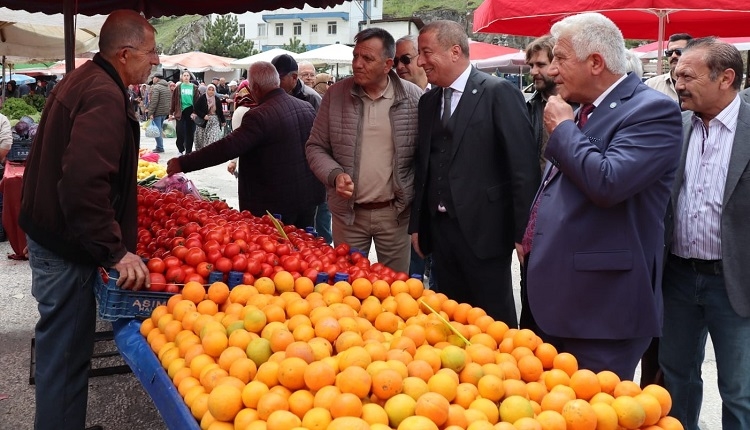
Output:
(403, 9)
(167, 27)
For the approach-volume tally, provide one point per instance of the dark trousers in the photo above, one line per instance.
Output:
(323, 222)
(527, 318)
(185, 131)
(486, 283)
(300, 219)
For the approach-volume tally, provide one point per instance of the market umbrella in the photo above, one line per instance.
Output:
(514, 62)
(197, 62)
(486, 56)
(19, 78)
(637, 19)
(651, 50)
(331, 54)
(59, 68)
(262, 56)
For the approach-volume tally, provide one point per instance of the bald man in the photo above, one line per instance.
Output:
(79, 211)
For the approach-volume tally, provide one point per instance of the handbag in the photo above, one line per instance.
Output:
(152, 130)
(200, 122)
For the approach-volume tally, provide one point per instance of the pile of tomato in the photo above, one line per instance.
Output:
(186, 239)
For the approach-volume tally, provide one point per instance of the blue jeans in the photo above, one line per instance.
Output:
(64, 337)
(696, 304)
(159, 121)
(323, 222)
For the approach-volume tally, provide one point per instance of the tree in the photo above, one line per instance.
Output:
(295, 45)
(223, 38)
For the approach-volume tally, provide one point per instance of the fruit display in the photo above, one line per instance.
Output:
(285, 353)
(149, 169)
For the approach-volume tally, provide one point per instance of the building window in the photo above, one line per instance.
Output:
(261, 30)
(297, 29)
(280, 29)
(242, 31)
(375, 3)
(313, 28)
(331, 27)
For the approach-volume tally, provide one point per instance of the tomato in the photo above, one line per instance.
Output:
(268, 246)
(266, 270)
(316, 264)
(291, 264)
(158, 282)
(223, 264)
(156, 265)
(342, 249)
(283, 249)
(310, 273)
(213, 255)
(239, 263)
(195, 277)
(272, 259)
(204, 268)
(177, 241)
(401, 276)
(180, 252)
(175, 275)
(195, 256)
(254, 266)
(248, 279)
(231, 249)
(193, 242)
(211, 244)
(331, 269)
(172, 261)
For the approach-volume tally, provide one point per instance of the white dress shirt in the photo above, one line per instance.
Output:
(459, 85)
(697, 230)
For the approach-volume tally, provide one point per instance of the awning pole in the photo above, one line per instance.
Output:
(70, 48)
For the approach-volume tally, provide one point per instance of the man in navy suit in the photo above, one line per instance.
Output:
(475, 175)
(596, 231)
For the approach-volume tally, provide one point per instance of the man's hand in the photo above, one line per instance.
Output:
(415, 244)
(173, 166)
(519, 253)
(232, 166)
(556, 111)
(344, 185)
(133, 273)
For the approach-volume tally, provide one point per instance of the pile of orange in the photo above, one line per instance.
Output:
(287, 354)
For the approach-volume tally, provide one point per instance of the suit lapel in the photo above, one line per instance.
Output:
(740, 157)
(465, 109)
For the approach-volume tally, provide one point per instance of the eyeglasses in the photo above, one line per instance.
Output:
(406, 59)
(330, 82)
(669, 52)
(151, 52)
(307, 75)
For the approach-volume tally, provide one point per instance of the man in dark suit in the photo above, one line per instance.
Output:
(476, 173)
(706, 289)
(596, 230)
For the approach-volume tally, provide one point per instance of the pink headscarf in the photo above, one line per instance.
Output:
(211, 100)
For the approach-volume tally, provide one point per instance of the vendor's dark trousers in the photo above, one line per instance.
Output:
(527, 318)
(300, 219)
(64, 338)
(185, 131)
(463, 277)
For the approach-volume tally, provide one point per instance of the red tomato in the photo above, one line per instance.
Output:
(172, 261)
(204, 268)
(213, 255)
(223, 264)
(231, 249)
(178, 241)
(266, 270)
(156, 265)
(401, 276)
(158, 282)
(310, 273)
(283, 249)
(180, 252)
(268, 246)
(195, 277)
(254, 267)
(239, 263)
(175, 275)
(342, 249)
(172, 288)
(248, 279)
(291, 264)
(195, 256)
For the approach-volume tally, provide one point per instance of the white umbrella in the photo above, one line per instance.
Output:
(331, 54)
(41, 37)
(508, 63)
(261, 56)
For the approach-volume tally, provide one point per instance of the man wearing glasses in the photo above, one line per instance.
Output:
(405, 62)
(665, 83)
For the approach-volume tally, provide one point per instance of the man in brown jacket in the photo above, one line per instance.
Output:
(79, 210)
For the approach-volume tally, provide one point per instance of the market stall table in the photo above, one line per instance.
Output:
(10, 186)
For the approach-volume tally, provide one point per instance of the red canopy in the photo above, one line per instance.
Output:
(637, 19)
(157, 8)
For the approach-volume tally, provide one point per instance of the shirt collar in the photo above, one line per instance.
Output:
(460, 83)
(727, 117)
(606, 92)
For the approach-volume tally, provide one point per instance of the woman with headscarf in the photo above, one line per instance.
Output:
(322, 82)
(243, 102)
(209, 108)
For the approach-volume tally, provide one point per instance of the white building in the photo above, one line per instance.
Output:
(314, 27)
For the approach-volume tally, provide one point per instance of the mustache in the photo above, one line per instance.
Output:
(684, 93)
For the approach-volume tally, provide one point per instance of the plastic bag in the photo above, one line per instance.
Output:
(152, 130)
(178, 182)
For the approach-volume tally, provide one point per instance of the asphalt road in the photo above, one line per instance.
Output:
(118, 402)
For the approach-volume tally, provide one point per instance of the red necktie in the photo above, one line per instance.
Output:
(583, 117)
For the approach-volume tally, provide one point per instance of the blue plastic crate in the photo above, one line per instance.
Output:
(19, 150)
(115, 303)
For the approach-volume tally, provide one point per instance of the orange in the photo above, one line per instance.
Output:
(420, 369)
(416, 287)
(225, 402)
(268, 373)
(218, 292)
(214, 343)
(194, 292)
(514, 408)
(211, 375)
(300, 402)
(626, 388)
(361, 288)
(386, 322)
(325, 396)
(525, 337)
(348, 423)
(243, 369)
(546, 353)
(606, 417)
(354, 380)
(443, 384)
(585, 383)
(398, 408)
(670, 423)
(531, 368)
(491, 387)
(283, 281)
(182, 308)
(207, 307)
(662, 395)
(199, 408)
(417, 423)
(328, 328)
(608, 380)
(555, 401)
(317, 419)
(318, 375)
(602, 397)
(229, 355)
(651, 406)
(280, 340)
(346, 405)
(283, 420)
(386, 383)
(374, 414)
(551, 420)
(566, 362)
(253, 392)
(554, 377)
(579, 415)
(303, 286)
(291, 373)
(630, 413)
(271, 402)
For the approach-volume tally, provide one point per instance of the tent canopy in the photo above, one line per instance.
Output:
(196, 62)
(331, 54)
(155, 9)
(262, 56)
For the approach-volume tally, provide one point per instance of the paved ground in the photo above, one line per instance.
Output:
(118, 402)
